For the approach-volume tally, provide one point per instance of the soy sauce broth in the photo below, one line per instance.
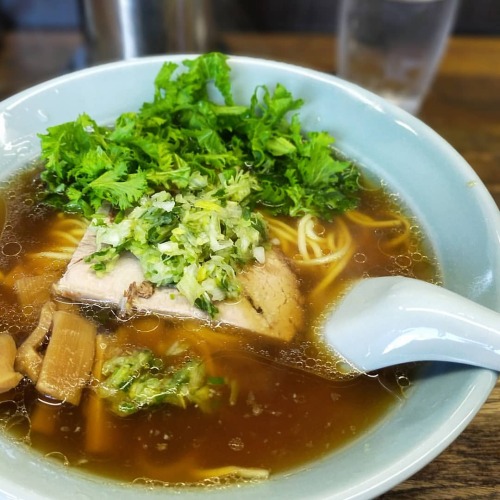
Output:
(282, 418)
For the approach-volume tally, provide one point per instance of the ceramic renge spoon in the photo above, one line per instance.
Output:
(391, 320)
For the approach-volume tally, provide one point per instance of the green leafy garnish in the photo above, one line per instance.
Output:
(208, 154)
(194, 241)
(139, 380)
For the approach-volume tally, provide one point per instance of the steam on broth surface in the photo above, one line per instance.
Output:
(273, 406)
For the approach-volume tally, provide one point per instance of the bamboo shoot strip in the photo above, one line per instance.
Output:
(34, 291)
(28, 359)
(67, 364)
(44, 418)
(98, 434)
(9, 378)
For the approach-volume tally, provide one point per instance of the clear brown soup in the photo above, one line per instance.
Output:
(284, 417)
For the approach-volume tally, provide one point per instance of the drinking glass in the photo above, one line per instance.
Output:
(393, 47)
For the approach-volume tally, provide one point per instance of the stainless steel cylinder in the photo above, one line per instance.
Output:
(122, 29)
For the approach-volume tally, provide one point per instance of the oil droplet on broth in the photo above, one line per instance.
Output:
(19, 425)
(417, 257)
(59, 457)
(14, 330)
(403, 381)
(236, 444)
(11, 249)
(403, 261)
(360, 258)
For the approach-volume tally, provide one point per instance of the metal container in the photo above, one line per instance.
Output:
(122, 29)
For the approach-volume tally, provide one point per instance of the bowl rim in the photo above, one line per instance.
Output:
(482, 381)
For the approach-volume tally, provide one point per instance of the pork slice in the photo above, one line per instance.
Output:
(270, 303)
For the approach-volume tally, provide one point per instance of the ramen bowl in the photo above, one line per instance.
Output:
(455, 212)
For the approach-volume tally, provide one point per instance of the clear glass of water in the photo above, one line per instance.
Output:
(393, 47)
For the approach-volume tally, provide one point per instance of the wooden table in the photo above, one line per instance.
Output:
(463, 106)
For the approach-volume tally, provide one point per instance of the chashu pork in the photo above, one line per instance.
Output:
(270, 303)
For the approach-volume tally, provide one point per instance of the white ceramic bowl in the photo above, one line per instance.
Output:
(453, 206)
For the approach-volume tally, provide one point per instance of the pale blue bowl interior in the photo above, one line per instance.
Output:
(452, 204)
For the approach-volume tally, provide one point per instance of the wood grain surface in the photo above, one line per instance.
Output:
(463, 106)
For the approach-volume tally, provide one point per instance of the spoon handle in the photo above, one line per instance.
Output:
(387, 321)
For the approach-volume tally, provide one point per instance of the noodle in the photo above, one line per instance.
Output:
(324, 248)
(333, 272)
(366, 220)
(69, 236)
(397, 221)
(311, 244)
(65, 233)
(64, 253)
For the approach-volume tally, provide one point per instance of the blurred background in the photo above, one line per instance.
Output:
(475, 16)
(40, 39)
